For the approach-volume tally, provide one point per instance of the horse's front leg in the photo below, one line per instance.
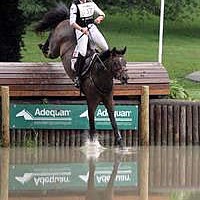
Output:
(91, 113)
(108, 102)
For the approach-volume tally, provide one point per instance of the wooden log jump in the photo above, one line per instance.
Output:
(50, 80)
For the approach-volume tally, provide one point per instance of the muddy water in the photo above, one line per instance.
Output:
(53, 173)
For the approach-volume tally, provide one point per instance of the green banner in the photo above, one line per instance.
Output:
(69, 176)
(51, 116)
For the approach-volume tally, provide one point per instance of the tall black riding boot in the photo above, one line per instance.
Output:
(78, 66)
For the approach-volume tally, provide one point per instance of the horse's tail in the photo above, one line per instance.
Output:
(52, 18)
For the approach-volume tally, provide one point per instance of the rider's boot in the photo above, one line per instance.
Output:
(78, 65)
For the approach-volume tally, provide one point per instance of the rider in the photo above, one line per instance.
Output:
(84, 14)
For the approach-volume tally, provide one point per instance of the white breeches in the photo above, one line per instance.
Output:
(95, 36)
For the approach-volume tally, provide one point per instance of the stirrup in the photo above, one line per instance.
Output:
(77, 82)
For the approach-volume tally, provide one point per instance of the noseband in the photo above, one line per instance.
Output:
(118, 69)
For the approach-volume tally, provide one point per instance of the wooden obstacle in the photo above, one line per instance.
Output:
(174, 122)
(171, 123)
(50, 80)
(30, 81)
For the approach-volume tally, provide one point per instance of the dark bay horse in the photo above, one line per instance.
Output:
(97, 83)
(106, 193)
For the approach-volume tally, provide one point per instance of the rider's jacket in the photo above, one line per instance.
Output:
(84, 13)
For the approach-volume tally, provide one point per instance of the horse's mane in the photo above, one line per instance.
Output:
(52, 18)
(106, 54)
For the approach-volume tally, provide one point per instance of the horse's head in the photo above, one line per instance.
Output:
(117, 63)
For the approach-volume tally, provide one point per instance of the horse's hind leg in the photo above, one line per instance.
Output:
(45, 47)
(110, 109)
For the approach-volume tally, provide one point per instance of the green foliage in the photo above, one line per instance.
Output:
(31, 8)
(12, 28)
(29, 142)
(174, 10)
(182, 9)
(177, 91)
(179, 195)
(34, 9)
(182, 195)
(193, 196)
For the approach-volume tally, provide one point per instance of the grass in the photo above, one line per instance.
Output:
(181, 54)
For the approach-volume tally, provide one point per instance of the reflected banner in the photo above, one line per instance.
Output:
(69, 176)
(52, 116)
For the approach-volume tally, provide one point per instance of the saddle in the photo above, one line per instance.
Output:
(90, 62)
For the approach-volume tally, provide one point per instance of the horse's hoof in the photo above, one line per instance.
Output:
(46, 55)
(41, 45)
(91, 139)
(121, 144)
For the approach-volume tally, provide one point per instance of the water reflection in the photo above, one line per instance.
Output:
(4, 173)
(92, 191)
(164, 173)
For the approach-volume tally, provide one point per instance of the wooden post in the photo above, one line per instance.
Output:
(5, 101)
(144, 172)
(144, 116)
(4, 173)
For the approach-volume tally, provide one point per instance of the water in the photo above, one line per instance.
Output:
(62, 173)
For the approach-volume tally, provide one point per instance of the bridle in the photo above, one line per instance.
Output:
(104, 64)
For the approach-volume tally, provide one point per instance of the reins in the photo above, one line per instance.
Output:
(73, 44)
(101, 91)
(61, 56)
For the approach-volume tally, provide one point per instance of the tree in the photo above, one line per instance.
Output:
(182, 9)
(11, 30)
(174, 9)
(33, 9)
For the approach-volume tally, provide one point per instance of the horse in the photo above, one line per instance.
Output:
(106, 193)
(97, 81)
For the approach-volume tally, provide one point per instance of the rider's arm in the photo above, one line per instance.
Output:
(72, 20)
(99, 13)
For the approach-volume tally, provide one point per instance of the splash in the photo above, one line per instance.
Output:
(126, 150)
(92, 149)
